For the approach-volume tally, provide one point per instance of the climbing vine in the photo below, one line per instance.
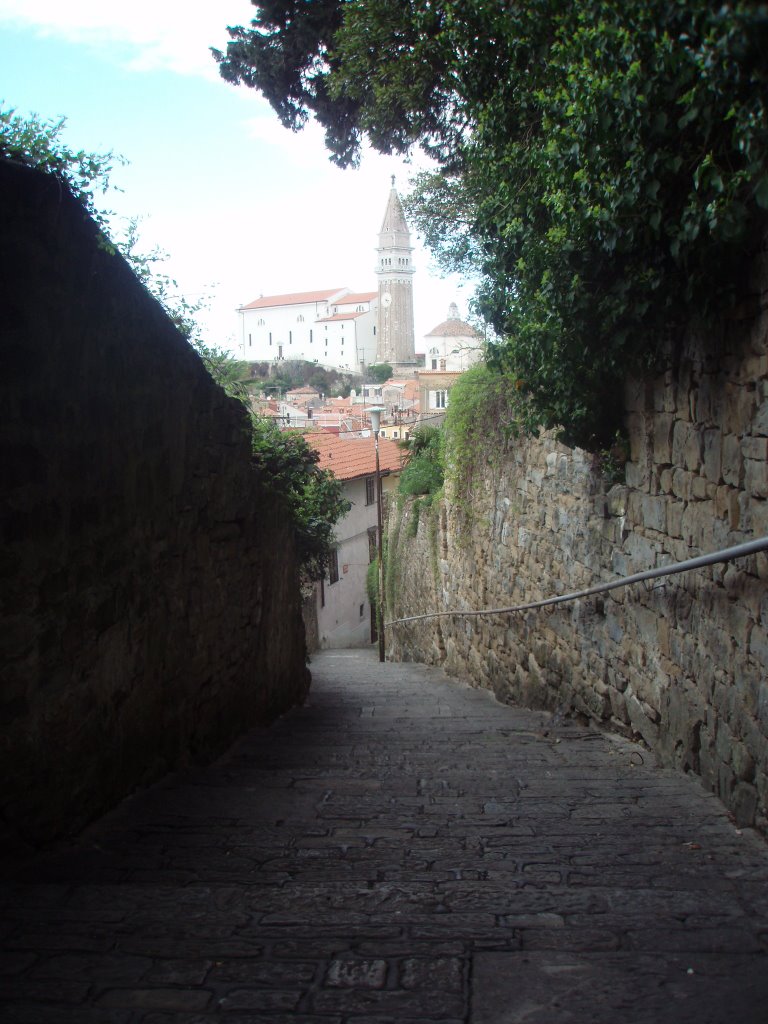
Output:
(486, 410)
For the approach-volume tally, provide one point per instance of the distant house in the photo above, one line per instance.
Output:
(305, 397)
(344, 614)
(434, 393)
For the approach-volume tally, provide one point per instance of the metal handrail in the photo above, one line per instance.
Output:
(725, 555)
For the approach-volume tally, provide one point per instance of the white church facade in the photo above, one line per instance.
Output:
(335, 328)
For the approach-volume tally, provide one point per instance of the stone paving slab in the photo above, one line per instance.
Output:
(402, 848)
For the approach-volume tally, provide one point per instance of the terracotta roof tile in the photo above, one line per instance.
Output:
(349, 458)
(338, 316)
(358, 297)
(292, 299)
(452, 329)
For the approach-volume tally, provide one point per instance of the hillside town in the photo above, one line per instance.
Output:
(346, 331)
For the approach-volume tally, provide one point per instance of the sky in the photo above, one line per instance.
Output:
(242, 206)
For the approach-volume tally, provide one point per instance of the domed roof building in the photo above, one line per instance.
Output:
(453, 346)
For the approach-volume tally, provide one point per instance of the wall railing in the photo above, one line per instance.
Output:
(725, 555)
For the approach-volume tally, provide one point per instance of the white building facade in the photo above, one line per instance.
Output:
(344, 616)
(453, 346)
(335, 328)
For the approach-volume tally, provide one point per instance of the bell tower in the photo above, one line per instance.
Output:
(394, 270)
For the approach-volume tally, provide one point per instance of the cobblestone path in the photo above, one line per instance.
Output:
(401, 849)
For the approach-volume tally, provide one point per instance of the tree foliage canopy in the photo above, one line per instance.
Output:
(601, 166)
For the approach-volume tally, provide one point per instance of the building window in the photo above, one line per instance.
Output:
(370, 489)
(270, 337)
(373, 549)
(290, 337)
(439, 399)
(310, 335)
(322, 592)
(442, 365)
(250, 341)
(333, 566)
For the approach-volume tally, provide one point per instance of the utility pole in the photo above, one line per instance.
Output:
(375, 414)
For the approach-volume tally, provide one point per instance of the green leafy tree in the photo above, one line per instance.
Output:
(313, 497)
(39, 143)
(379, 373)
(601, 166)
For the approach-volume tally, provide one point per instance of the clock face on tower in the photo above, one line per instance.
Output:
(386, 299)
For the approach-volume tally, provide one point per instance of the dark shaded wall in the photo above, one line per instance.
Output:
(149, 600)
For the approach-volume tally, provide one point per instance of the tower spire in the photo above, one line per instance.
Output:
(395, 271)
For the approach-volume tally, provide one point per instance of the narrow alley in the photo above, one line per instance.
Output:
(402, 848)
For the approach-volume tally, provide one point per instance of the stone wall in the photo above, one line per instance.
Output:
(680, 663)
(150, 602)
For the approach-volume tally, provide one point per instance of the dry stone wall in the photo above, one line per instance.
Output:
(150, 602)
(681, 663)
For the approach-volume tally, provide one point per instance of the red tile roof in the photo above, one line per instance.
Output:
(292, 299)
(339, 316)
(350, 458)
(358, 297)
(453, 329)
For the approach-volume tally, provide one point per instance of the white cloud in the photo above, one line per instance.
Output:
(272, 213)
(267, 129)
(148, 34)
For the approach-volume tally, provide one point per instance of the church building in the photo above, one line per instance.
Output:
(335, 327)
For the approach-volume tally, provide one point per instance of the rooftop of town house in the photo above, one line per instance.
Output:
(409, 387)
(306, 389)
(350, 458)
